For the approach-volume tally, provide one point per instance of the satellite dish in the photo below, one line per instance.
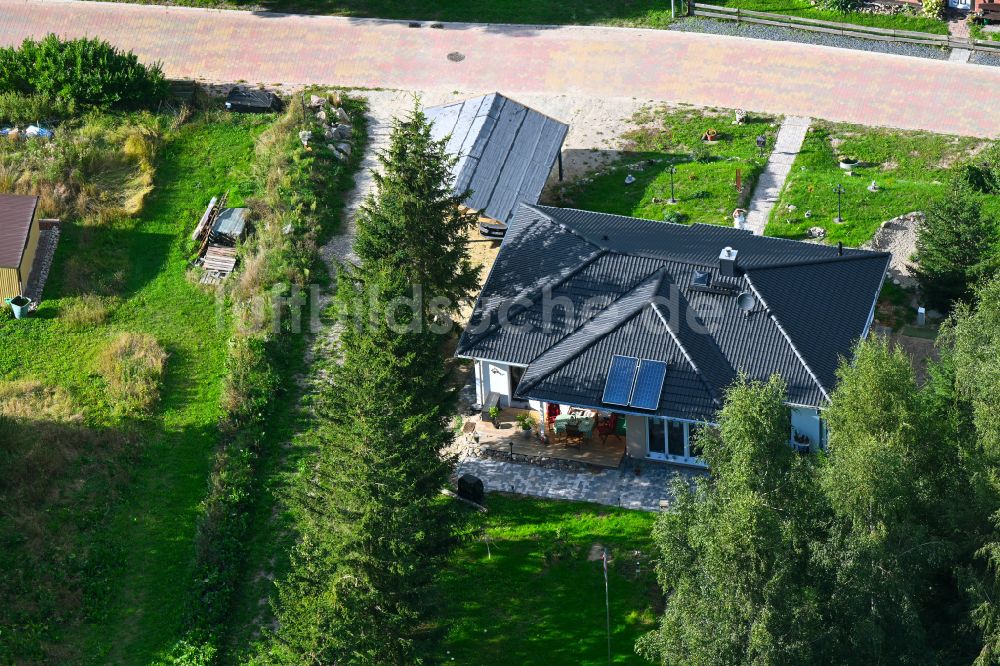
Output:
(746, 302)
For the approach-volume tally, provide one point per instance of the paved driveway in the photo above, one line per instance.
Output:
(709, 70)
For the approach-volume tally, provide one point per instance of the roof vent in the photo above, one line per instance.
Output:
(727, 262)
(701, 279)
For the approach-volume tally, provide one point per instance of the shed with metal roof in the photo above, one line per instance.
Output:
(19, 236)
(505, 151)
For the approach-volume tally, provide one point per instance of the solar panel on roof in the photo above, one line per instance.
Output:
(648, 384)
(621, 377)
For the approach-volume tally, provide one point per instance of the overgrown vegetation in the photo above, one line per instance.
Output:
(60, 77)
(705, 178)
(911, 169)
(299, 205)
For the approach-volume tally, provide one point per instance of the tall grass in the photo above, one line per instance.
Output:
(133, 365)
(96, 168)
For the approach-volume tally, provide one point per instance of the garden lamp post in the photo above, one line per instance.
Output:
(839, 189)
(761, 144)
(672, 199)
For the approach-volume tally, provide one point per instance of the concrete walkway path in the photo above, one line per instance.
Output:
(608, 63)
(613, 487)
(791, 134)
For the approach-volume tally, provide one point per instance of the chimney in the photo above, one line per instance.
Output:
(727, 262)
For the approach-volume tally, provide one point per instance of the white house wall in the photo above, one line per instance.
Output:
(806, 421)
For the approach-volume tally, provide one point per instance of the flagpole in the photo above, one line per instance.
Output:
(607, 604)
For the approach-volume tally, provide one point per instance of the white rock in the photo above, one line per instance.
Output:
(344, 148)
(321, 115)
(315, 101)
(342, 116)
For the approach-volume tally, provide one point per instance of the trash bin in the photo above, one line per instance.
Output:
(471, 488)
(20, 305)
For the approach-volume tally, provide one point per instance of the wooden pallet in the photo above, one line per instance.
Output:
(219, 258)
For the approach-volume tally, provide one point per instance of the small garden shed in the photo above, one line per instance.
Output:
(19, 235)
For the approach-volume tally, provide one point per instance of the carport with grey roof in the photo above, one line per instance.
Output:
(505, 151)
(627, 287)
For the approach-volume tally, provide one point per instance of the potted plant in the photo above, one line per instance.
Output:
(524, 420)
(710, 135)
(495, 416)
(847, 162)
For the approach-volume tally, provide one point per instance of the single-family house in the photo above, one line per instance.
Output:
(650, 322)
(19, 236)
(505, 152)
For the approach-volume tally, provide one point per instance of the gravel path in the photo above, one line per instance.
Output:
(980, 58)
(774, 33)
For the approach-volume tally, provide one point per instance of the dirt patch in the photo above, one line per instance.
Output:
(898, 236)
(595, 552)
(920, 351)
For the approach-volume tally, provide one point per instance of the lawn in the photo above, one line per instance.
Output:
(705, 180)
(526, 586)
(131, 549)
(909, 168)
(806, 9)
(649, 13)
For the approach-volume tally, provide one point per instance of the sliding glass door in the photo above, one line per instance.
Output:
(657, 440)
(673, 441)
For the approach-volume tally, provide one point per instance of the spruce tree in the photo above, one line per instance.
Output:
(373, 529)
(413, 231)
(956, 244)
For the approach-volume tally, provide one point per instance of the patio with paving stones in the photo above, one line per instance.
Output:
(613, 487)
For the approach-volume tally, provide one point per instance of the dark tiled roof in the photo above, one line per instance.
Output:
(16, 213)
(505, 150)
(616, 285)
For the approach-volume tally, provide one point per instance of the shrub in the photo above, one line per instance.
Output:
(81, 73)
(701, 153)
(19, 109)
(934, 8)
(133, 366)
(842, 6)
(87, 310)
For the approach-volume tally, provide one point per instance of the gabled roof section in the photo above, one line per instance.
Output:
(828, 323)
(505, 150)
(629, 285)
(16, 214)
